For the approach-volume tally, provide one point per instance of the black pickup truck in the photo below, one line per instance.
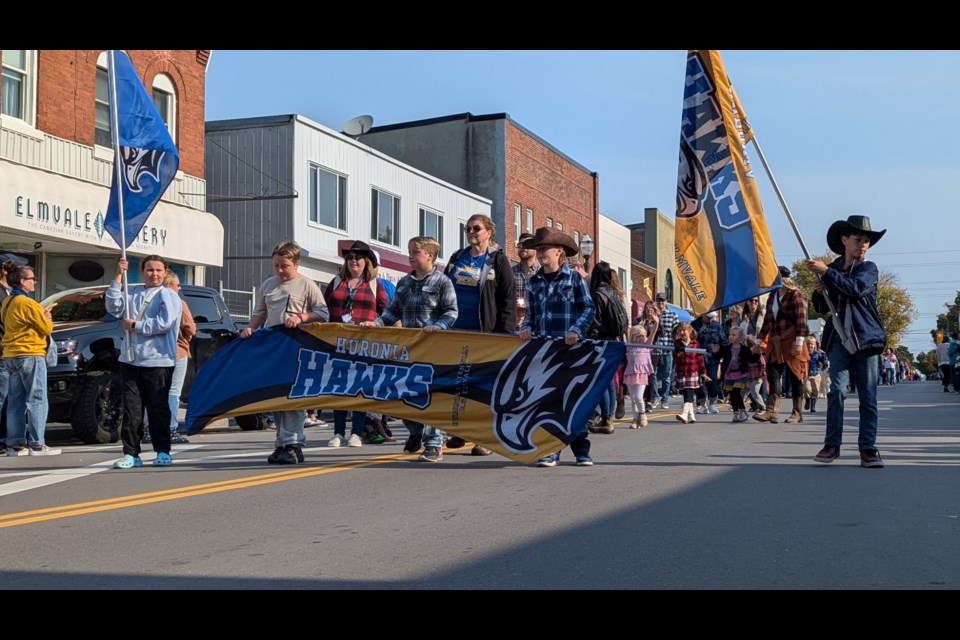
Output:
(84, 387)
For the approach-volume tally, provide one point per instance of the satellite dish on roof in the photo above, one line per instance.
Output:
(357, 126)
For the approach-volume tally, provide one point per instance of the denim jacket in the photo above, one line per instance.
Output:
(856, 293)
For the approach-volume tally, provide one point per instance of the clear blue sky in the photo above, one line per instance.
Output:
(869, 132)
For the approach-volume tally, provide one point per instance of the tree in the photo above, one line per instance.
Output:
(895, 305)
(948, 322)
(903, 355)
(927, 362)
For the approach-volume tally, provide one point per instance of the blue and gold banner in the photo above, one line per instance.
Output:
(523, 400)
(723, 250)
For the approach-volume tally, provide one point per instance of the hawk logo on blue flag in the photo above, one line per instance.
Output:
(147, 157)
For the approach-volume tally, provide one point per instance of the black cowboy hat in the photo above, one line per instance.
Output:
(551, 236)
(853, 224)
(359, 246)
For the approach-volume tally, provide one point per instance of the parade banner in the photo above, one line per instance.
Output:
(522, 399)
(723, 250)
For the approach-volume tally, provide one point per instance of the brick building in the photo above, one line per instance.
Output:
(56, 165)
(530, 183)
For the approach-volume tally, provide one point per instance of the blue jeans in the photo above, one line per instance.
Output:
(711, 390)
(357, 420)
(26, 399)
(432, 437)
(665, 376)
(608, 401)
(4, 386)
(862, 370)
(289, 428)
(176, 386)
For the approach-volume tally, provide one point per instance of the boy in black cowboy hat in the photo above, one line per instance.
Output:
(851, 282)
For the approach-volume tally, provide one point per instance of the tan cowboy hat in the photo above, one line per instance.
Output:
(550, 236)
(853, 224)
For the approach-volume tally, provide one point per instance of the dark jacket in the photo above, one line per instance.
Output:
(745, 358)
(854, 292)
(604, 322)
(498, 301)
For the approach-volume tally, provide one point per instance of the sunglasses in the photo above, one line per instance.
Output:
(475, 229)
(353, 256)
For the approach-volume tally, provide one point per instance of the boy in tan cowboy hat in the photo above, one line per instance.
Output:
(851, 282)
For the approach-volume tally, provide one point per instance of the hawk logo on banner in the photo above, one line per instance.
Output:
(723, 249)
(521, 399)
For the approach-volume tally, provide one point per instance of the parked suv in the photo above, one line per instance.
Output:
(84, 387)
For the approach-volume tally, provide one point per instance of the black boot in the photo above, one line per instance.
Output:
(806, 404)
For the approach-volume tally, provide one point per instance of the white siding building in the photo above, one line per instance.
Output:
(287, 178)
(615, 241)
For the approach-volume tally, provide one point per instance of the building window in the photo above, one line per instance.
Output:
(559, 226)
(19, 84)
(530, 220)
(549, 222)
(165, 99)
(516, 220)
(385, 209)
(463, 235)
(668, 286)
(431, 225)
(101, 115)
(622, 274)
(328, 198)
(576, 238)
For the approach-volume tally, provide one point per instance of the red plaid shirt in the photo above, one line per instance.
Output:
(363, 307)
(688, 365)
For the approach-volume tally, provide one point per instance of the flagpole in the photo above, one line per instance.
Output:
(786, 209)
(118, 177)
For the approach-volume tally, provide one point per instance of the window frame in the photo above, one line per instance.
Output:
(421, 218)
(163, 83)
(517, 220)
(28, 87)
(375, 193)
(341, 197)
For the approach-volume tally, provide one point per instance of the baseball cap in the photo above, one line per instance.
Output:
(17, 260)
(711, 314)
(662, 296)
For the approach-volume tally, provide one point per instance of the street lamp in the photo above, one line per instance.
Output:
(586, 248)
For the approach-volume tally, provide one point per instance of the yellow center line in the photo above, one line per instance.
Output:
(123, 502)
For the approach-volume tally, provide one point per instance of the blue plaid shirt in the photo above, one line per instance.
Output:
(559, 307)
(417, 303)
(521, 275)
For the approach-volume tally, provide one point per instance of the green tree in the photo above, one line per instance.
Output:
(927, 362)
(903, 355)
(895, 305)
(948, 322)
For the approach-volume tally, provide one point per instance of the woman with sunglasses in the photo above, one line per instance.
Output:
(354, 297)
(26, 328)
(486, 297)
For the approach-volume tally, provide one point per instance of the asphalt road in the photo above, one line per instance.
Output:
(716, 505)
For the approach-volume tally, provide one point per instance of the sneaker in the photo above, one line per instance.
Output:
(178, 438)
(413, 444)
(701, 409)
(274, 458)
(3, 448)
(43, 450)
(713, 408)
(828, 455)
(289, 455)
(354, 441)
(480, 451)
(374, 438)
(549, 461)
(665, 406)
(271, 425)
(456, 442)
(870, 458)
(16, 450)
(431, 454)
(584, 461)
(654, 405)
(336, 441)
(313, 422)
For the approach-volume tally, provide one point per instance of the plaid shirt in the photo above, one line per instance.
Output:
(792, 313)
(685, 364)
(559, 307)
(668, 322)
(360, 304)
(417, 303)
(521, 276)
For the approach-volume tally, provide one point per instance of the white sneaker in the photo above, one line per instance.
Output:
(354, 441)
(310, 422)
(43, 450)
(655, 404)
(701, 409)
(336, 441)
(665, 406)
(713, 408)
(17, 450)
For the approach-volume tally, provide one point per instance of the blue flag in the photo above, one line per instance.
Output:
(148, 158)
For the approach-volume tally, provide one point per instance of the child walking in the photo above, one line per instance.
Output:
(636, 374)
(688, 369)
(738, 377)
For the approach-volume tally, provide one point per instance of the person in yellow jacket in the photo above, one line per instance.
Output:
(27, 326)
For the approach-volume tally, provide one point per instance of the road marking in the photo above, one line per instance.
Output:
(47, 478)
(123, 502)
